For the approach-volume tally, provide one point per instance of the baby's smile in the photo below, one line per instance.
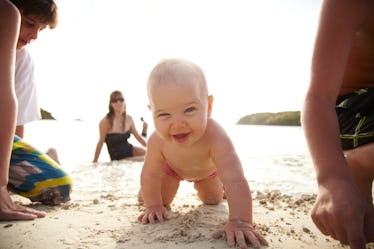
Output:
(181, 137)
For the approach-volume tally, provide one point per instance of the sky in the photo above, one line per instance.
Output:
(255, 53)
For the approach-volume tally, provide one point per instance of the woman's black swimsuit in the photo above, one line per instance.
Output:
(118, 146)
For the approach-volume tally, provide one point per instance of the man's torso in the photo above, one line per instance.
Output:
(360, 66)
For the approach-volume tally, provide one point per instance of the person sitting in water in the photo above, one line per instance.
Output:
(115, 129)
(145, 127)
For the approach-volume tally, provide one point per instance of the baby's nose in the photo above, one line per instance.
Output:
(178, 123)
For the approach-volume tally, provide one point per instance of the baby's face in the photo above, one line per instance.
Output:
(179, 110)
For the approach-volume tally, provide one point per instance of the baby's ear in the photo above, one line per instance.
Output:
(210, 105)
(149, 107)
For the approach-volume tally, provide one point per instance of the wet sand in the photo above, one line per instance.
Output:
(103, 214)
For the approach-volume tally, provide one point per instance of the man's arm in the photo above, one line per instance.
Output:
(338, 22)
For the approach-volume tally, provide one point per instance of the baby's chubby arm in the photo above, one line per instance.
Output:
(151, 180)
(239, 227)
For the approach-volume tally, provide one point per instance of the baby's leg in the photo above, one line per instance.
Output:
(169, 188)
(210, 190)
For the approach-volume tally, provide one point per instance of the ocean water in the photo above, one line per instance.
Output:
(273, 157)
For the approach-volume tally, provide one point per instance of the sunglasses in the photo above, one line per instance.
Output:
(116, 100)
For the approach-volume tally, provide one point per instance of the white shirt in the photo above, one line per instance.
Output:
(25, 86)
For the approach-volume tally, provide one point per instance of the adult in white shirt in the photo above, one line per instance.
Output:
(9, 31)
(33, 174)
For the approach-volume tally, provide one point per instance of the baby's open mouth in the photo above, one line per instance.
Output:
(180, 136)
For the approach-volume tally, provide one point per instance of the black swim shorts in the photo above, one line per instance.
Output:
(356, 118)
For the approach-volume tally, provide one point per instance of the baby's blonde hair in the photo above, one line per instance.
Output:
(177, 70)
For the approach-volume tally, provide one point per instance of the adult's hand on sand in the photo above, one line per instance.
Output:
(154, 213)
(340, 214)
(238, 232)
(11, 211)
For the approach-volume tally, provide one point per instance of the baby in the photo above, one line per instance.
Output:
(189, 145)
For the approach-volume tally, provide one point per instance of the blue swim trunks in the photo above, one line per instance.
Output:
(356, 118)
(36, 176)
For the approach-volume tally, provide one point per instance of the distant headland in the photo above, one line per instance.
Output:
(289, 118)
(46, 115)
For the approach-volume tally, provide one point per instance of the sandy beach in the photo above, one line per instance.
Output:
(103, 213)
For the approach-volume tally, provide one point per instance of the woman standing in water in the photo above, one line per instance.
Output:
(115, 129)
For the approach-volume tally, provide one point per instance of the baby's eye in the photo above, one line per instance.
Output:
(190, 109)
(163, 115)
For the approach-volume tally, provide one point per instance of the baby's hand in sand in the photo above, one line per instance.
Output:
(237, 231)
(153, 213)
